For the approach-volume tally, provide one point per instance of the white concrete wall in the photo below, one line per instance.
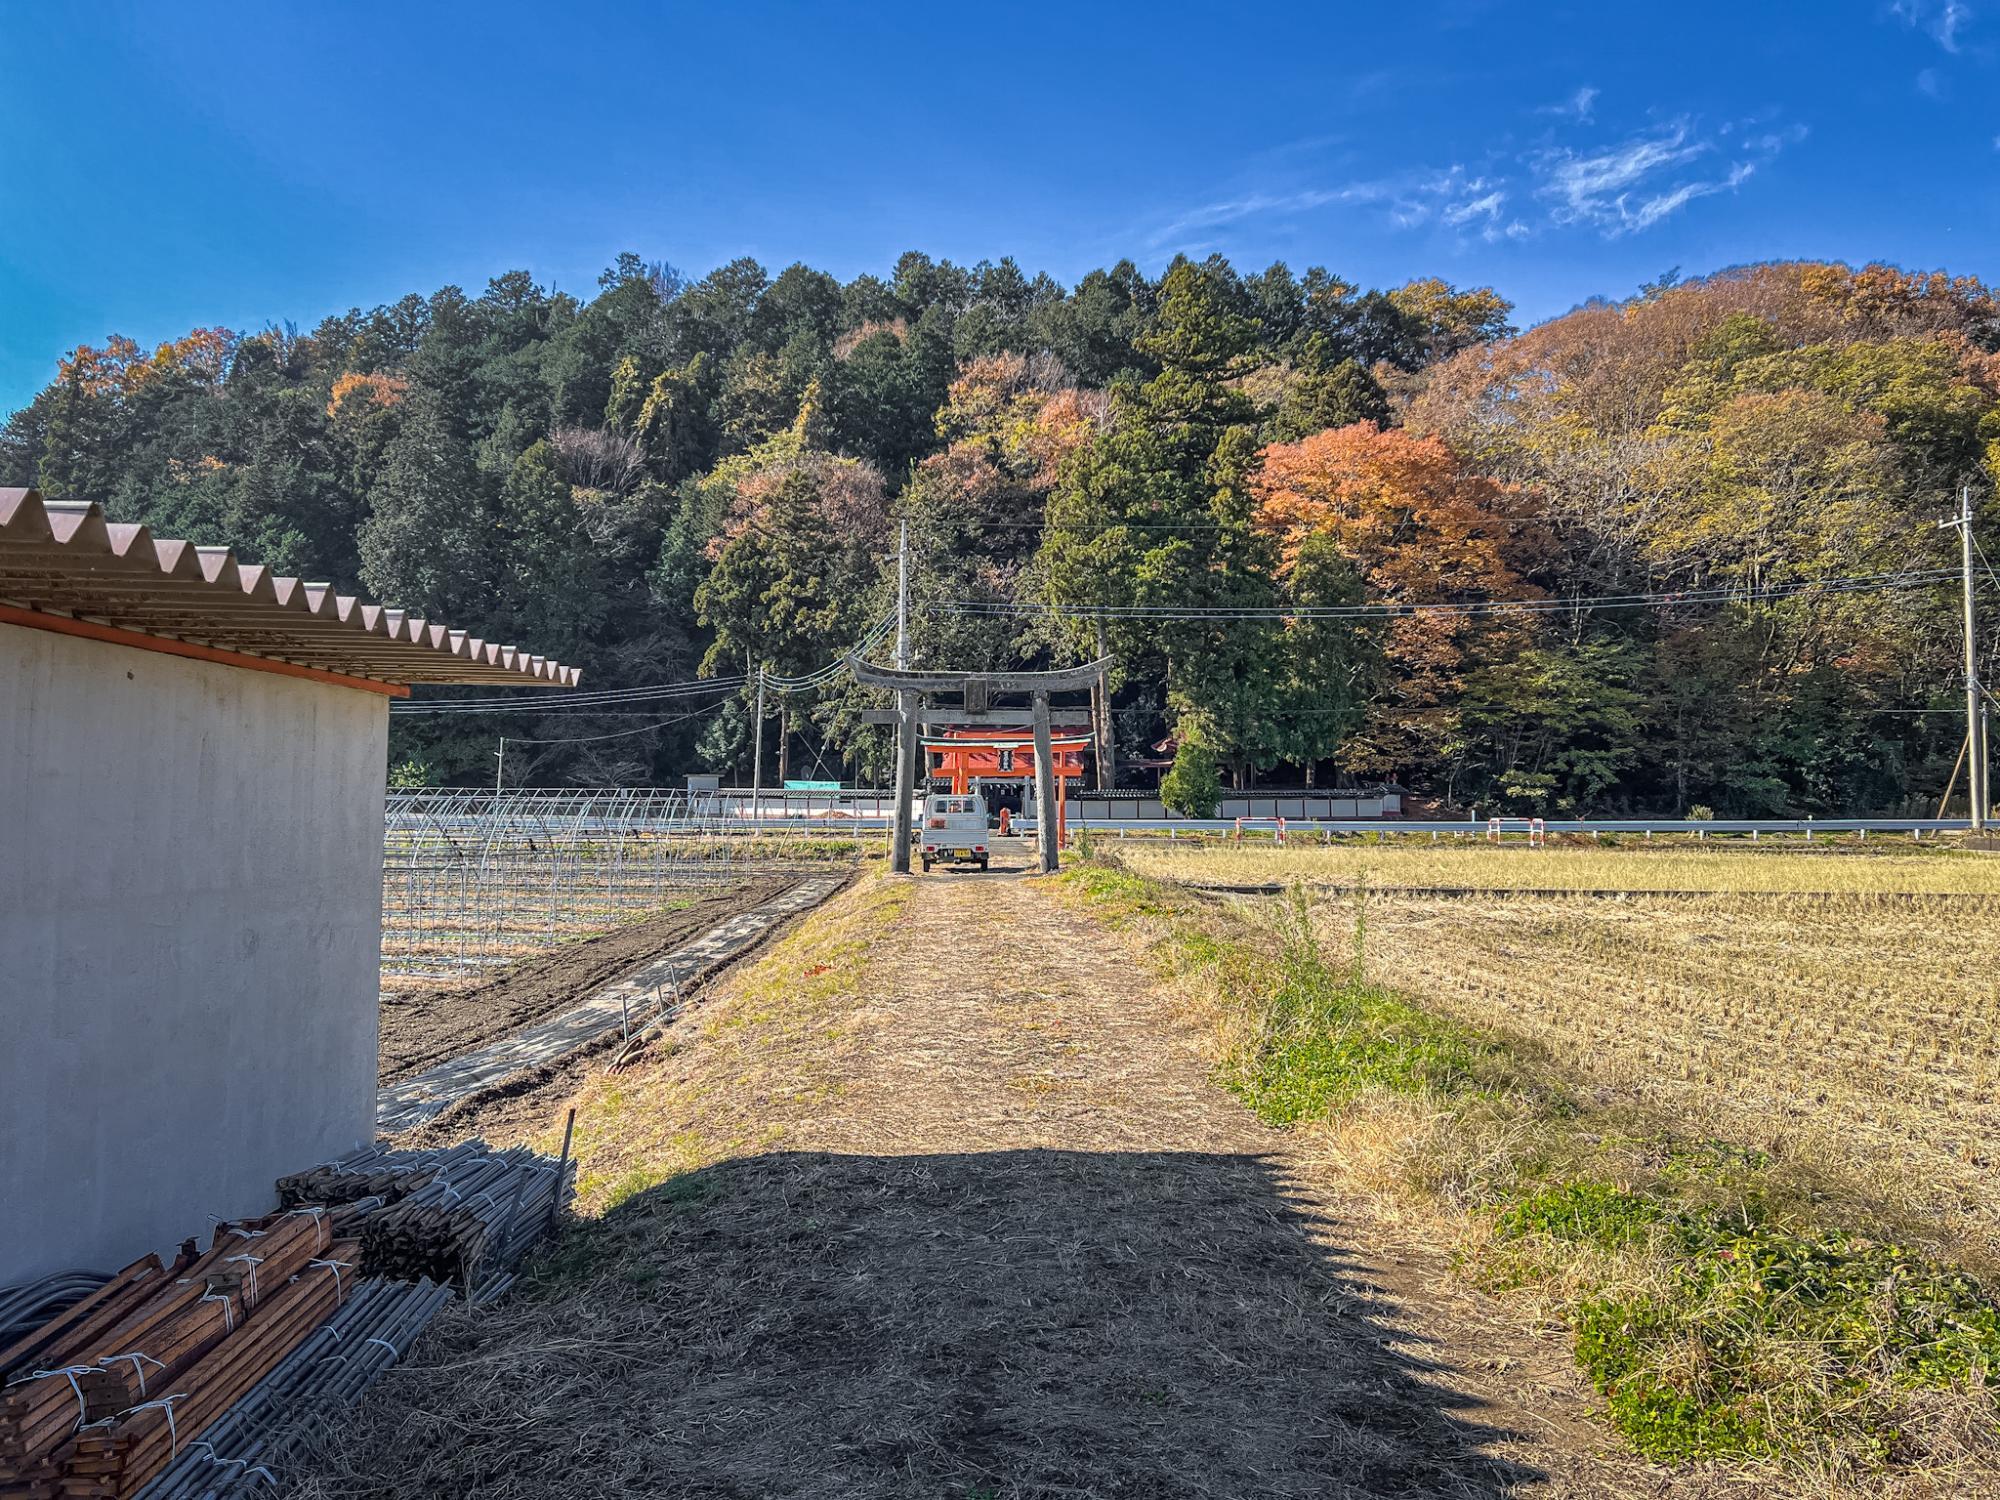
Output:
(190, 932)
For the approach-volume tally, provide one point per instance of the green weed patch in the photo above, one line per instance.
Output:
(1714, 1313)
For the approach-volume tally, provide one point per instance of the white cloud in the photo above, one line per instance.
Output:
(1930, 84)
(1583, 185)
(1941, 20)
(1487, 207)
(1577, 106)
(1616, 188)
(1452, 196)
(1632, 185)
(1253, 205)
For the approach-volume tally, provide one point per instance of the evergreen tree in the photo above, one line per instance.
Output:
(427, 545)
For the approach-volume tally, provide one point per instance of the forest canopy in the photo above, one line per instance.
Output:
(1219, 476)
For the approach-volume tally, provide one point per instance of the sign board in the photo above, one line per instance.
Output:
(812, 786)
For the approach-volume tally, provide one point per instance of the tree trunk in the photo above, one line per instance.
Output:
(784, 743)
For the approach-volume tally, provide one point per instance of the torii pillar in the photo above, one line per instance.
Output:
(1048, 857)
(900, 831)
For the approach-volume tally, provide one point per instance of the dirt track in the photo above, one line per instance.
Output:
(1017, 1244)
(426, 1027)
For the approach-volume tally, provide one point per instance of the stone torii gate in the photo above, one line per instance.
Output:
(978, 689)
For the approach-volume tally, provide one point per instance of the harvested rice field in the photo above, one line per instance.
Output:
(994, 1186)
(1894, 866)
(1842, 1008)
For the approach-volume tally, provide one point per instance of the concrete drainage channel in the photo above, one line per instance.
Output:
(622, 1005)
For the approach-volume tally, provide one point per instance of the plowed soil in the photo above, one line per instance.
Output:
(424, 1028)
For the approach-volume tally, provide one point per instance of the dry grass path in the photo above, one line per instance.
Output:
(1016, 1243)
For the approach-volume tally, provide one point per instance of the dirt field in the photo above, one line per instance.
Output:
(937, 1198)
(423, 1027)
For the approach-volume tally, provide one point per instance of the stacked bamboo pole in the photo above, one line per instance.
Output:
(329, 1371)
(466, 1214)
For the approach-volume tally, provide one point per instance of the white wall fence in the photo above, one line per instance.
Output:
(1337, 805)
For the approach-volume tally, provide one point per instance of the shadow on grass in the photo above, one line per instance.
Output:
(1022, 1323)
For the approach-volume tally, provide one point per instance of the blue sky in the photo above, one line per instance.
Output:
(167, 166)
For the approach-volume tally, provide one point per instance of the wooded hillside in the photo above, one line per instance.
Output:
(1206, 473)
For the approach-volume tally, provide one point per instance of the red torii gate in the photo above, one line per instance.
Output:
(967, 754)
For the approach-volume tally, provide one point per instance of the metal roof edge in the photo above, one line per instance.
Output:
(64, 556)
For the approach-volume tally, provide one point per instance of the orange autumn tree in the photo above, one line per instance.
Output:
(1416, 527)
(369, 388)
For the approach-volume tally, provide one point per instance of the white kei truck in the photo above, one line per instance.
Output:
(953, 831)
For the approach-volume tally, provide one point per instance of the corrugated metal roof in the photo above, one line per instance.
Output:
(64, 556)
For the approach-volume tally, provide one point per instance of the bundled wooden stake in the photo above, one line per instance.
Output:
(59, 1385)
(150, 1323)
(114, 1458)
(37, 1348)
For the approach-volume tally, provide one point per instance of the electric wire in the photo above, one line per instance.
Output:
(876, 633)
(534, 705)
(656, 692)
(619, 734)
(575, 697)
(568, 700)
(618, 702)
(1868, 583)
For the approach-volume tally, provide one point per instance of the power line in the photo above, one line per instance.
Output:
(624, 695)
(1871, 583)
(876, 633)
(970, 522)
(617, 734)
(620, 699)
(599, 702)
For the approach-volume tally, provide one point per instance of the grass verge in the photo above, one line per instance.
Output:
(1726, 1305)
(768, 1035)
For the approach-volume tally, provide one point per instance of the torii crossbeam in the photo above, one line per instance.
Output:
(901, 679)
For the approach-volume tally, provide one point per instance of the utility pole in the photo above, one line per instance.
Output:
(500, 769)
(757, 755)
(906, 716)
(1975, 696)
(903, 595)
(1100, 720)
